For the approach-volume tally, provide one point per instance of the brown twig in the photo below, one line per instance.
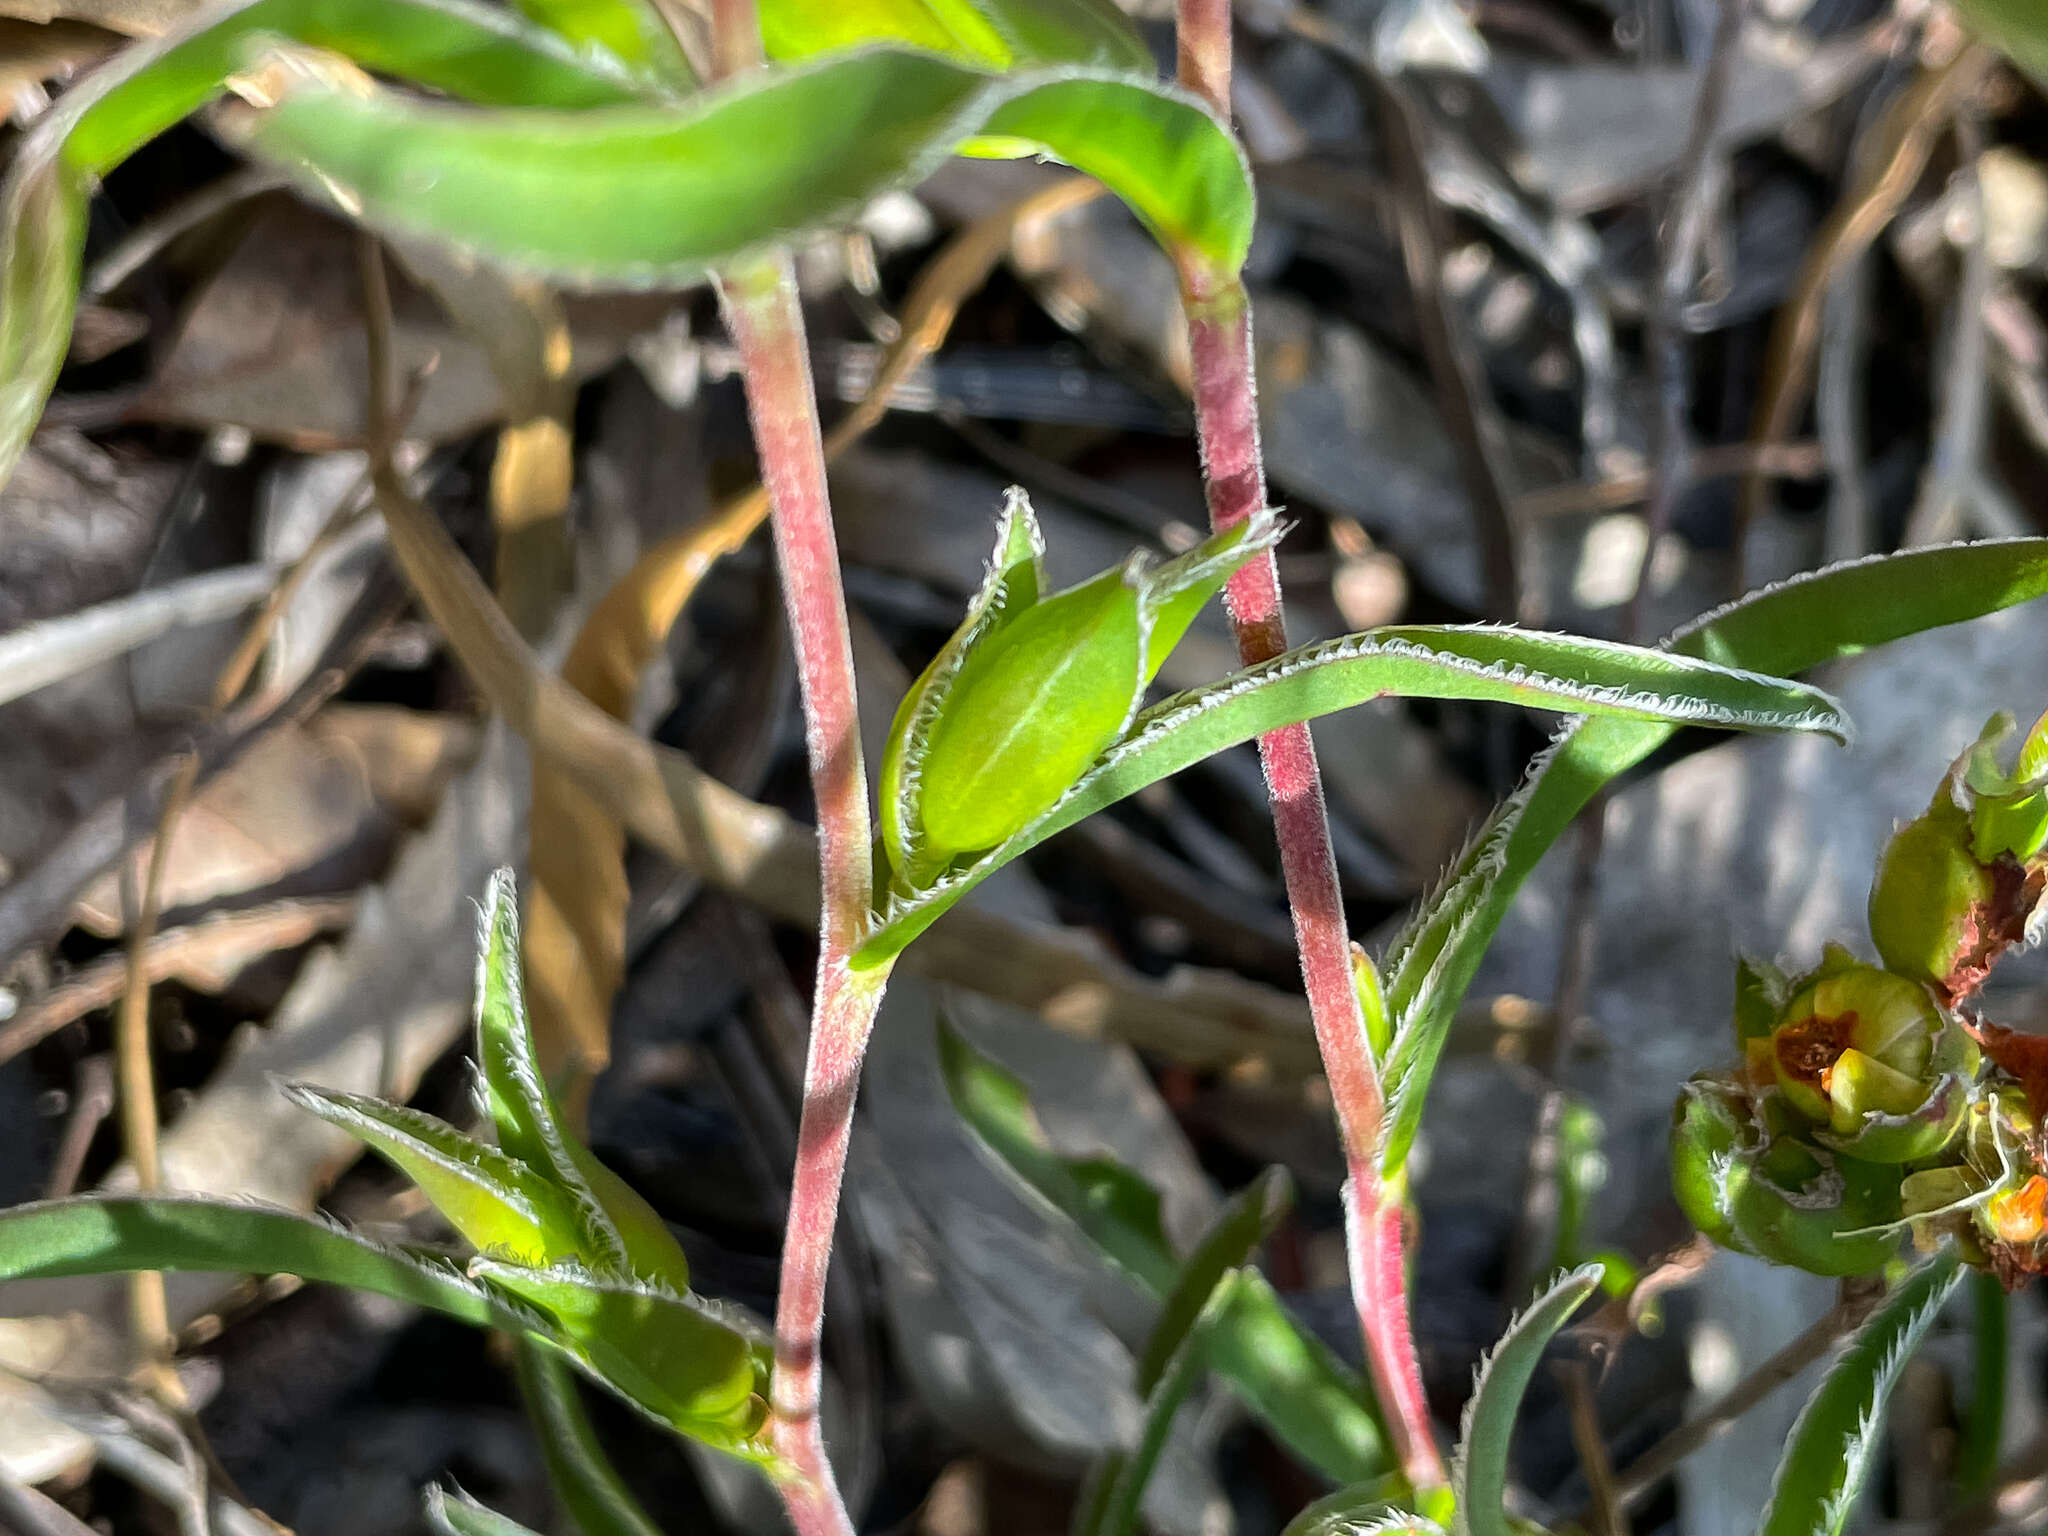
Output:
(1608, 1517)
(1858, 1299)
(1911, 127)
(209, 945)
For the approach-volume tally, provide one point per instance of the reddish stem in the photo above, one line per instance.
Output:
(766, 321)
(1226, 414)
(1202, 37)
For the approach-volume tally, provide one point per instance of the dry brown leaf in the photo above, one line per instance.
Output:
(408, 755)
(274, 343)
(32, 52)
(133, 18)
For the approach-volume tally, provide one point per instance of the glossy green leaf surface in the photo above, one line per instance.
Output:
(1313, 1402)
(992, 34)
(1479, 1471)
(1781, 630)
(495, 1201)
(1173, 1357)
(1155, 146)
(101, 1235)
(1834, 1444)
(1478, 663)
(635, 196)
(630, 196)
(477, 53)
(586, 1485)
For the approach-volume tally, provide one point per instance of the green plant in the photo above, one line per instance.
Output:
(575, 142)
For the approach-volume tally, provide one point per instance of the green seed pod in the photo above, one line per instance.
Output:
(1031, 691)
(1927, 897)
(1818, 1211)
(1773, 1195)
(1960, 885)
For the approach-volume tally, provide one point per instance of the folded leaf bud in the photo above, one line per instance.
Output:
(1032, 690)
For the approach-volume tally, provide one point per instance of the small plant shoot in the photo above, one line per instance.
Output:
(544, 171)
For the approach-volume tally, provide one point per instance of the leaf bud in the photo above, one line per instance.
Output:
(1031, 690)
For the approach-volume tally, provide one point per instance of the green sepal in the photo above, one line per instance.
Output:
(1761, 992)
(1863, 1128)
(1710, 1126)
(688, 1363)
(495, 1201)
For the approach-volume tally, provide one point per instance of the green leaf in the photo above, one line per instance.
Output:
(630, 31)
(495, 1201)
(1984, 1424)
(2016, 27)
(42, 236)
(1479, 1472)
(1155, 146)
(474, 51)
(586, 1485)
(1780, 630)
(1173, 1357)
(1115, 1209)
(1833, 1444)
(98, 1235)
(687, 1363)
(620, 1233)
(1364, 1509)
(1297, 1387)
(1510, 666)
(460, 1515)
(639, 196)
(992, 34)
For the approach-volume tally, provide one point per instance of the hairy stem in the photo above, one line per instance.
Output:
(1227, 419)
(1226, 414)
(761, 308)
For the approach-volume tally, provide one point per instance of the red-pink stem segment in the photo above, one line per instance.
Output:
(766, 321)
(1226, 414)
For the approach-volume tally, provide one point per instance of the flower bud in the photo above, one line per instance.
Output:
(1870, 1059)
(1958, 886)
(1031, 690)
